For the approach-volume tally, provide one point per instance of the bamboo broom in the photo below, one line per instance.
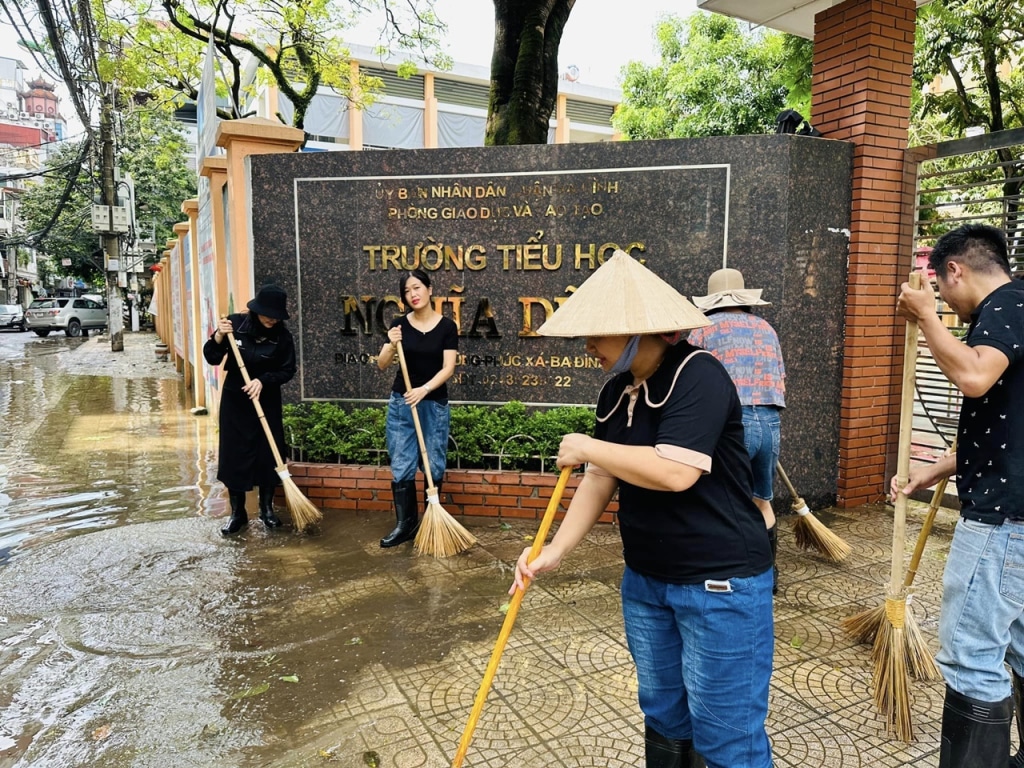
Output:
(809, 531)
(440, 534)
(863, 626)
(510, 618)
(304, 513)
(891, 678)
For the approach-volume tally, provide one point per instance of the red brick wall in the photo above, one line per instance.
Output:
(466, 492)
(863, 59)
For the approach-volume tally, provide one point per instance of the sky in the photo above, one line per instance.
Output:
(592, 41)
(586, 42)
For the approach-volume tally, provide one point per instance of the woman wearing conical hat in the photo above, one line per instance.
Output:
(697, 586)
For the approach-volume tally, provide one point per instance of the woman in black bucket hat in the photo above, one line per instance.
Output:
(268, 351)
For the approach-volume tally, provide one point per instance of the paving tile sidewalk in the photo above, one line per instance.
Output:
(565, 694)
(138, 359)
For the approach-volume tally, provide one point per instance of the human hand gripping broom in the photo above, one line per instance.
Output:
(304, 513)
(440, 534)
(510, 618)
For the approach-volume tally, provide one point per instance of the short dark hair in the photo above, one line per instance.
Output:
(419, 274)
(980, 246)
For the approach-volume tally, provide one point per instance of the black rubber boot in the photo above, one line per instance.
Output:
(773, 539)
(267, 515)
(670, 753)
(406, 504)
(975, 733)
(239, 519)
(1017, 761)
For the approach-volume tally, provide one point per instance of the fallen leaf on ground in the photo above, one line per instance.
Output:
(256, 690)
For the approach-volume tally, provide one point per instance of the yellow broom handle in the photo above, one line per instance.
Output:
(926, 526)
(510, 618)
(256, 401)
(416, 422)
(899, 530)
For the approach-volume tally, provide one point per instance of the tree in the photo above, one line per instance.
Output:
(973, 43)
(972, 48)
(294, 44)
(714, 79)
(524, 69)
(153, 151)
(57, 215)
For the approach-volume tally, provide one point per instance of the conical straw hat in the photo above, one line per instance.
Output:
(623, 298)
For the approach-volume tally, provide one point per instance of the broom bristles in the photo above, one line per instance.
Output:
(304, 513)
(810, 532)
(440, 534)
(920, 661)
(863, 627)
(892, 679)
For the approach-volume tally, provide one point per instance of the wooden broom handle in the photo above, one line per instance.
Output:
(899, 530)
(798, 503)
(256, 401)
(510, 618)
(926, 526)
(431, 491)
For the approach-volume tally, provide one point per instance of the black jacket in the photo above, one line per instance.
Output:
(245, 459)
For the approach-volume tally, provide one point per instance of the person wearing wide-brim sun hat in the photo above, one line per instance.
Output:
(697, 586)
(749, 348)
(244, 457)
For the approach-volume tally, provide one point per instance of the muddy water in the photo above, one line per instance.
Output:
(132, 634)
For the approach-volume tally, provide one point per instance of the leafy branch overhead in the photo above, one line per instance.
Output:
(296, 46)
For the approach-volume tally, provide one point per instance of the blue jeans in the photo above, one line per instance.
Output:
(703, 663)
(982, 618)
(403, 446)
(762, 434)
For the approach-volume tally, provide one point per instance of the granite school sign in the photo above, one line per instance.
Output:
(507, 234)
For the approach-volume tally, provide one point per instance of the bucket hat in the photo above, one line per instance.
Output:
(726, 289)
(623, 298)
(271, 301)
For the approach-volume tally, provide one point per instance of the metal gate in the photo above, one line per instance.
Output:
(978, 179)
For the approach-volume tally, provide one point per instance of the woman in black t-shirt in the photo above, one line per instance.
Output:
(697, 586)
(430, 342)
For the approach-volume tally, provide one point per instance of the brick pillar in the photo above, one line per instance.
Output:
(863, 59)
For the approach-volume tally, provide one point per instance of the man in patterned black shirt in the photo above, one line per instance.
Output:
(982, 618)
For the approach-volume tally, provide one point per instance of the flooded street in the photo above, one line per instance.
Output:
(133, 634)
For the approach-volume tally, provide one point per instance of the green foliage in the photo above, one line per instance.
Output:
(714, 80)
(328, 432)
(296, 45)
(152, 150)
(974, 46)
(71, 236)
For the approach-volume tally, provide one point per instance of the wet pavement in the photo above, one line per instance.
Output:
(132, 634)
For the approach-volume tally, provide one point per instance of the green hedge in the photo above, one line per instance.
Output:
(329, 432)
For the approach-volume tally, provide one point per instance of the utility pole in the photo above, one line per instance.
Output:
(111, 244)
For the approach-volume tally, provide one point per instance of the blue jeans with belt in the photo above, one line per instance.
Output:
(982, 618)
(703, 656)
(762, 435)
(403, 446)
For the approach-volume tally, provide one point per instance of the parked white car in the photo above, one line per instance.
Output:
(12, 316)
(76, 317)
